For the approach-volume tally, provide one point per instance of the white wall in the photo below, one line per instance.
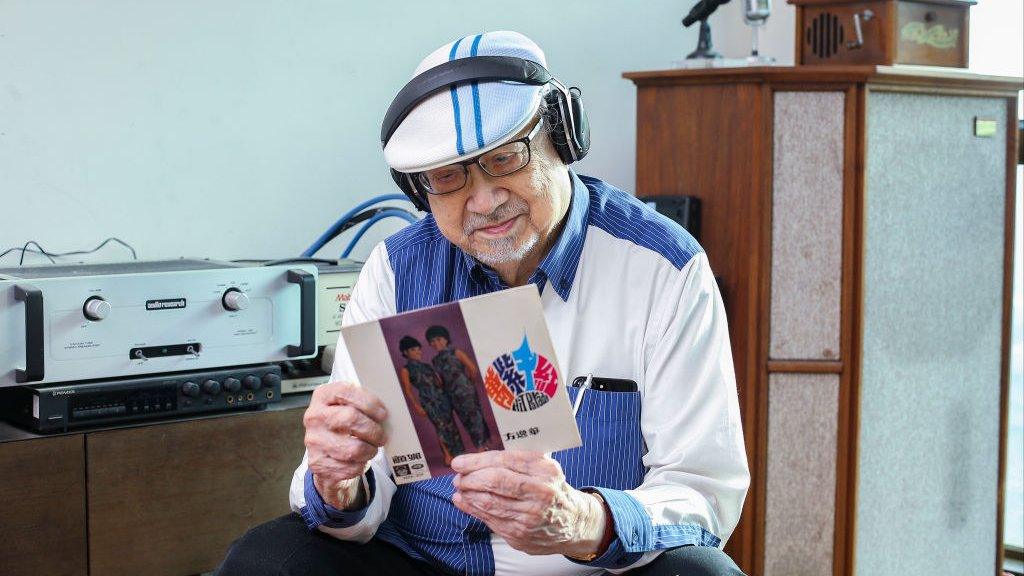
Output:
(243, 128)
(233, 129)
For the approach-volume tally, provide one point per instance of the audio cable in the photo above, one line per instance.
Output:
(339, 226)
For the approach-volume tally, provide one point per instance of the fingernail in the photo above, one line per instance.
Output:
(457, 461)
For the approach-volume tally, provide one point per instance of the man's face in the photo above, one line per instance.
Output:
(500, 220)
(438, 342)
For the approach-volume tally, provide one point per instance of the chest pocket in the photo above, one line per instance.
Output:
(613, 447)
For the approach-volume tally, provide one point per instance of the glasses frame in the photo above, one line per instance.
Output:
(420, 177)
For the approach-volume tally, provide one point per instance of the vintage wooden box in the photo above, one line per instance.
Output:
(924, 32)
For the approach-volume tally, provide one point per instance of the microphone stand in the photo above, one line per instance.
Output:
(704, 48)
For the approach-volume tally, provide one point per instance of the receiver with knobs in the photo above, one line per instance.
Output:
(107, 402)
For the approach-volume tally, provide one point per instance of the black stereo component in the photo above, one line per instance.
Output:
(101, 403)
(685, 210)
(305, 375)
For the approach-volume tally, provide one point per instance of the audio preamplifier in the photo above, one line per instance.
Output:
(59, 408)
(69, 323)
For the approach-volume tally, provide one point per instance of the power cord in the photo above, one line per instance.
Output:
(299, 261)
(51, 255)
(26, 249)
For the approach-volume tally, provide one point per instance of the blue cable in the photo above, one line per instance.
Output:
(333, 230)
(376, 218)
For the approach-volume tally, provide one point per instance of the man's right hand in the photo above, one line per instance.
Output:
(343, 432)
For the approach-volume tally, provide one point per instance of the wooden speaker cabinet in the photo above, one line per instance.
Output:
(861, 218)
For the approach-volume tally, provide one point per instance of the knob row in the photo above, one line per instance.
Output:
(96, 308)
(213, 387)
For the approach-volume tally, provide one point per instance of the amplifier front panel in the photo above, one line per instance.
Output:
(155, 322)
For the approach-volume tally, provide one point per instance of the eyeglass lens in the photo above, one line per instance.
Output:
(501, 161)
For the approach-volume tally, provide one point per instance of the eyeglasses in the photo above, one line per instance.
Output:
(502, 161)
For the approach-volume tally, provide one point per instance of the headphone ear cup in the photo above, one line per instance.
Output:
(571, 127)
(558, 120)
(581, 124)
(404, 184)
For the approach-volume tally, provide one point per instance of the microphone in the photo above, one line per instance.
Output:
(702, 10)
(755, 12)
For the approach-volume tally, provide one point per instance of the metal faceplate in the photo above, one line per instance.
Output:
(175, 309)
(334, 289)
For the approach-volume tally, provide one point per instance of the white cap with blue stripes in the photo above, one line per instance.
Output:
(471, 118)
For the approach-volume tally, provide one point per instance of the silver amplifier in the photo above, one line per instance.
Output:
(81, 322)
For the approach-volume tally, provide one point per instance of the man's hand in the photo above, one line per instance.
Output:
(343, 431)
(524, 498)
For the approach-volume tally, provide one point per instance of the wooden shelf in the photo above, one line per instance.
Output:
(156, 497)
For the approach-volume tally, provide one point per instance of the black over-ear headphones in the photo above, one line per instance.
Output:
(565, 114)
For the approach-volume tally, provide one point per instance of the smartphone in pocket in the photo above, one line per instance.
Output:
(606, 384)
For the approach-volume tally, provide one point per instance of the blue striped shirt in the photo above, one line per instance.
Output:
(429, 270)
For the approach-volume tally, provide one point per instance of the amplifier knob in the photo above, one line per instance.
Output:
(271, 380)
(211, 387)
(235, 300)
(232, 384)
(96, 308)
(252, 383)
(190, 389)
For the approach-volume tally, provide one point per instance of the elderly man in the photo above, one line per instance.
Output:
(659, 482)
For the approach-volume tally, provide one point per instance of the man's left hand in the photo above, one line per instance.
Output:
(524, 498)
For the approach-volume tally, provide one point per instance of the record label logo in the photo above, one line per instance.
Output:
(521, 380)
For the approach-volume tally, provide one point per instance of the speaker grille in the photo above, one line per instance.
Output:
(825, 35)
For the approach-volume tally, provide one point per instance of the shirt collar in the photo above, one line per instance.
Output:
(560, 264)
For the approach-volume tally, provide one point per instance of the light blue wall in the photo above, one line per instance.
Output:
(237, 129)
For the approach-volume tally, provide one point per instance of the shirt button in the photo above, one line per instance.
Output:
(564, 284)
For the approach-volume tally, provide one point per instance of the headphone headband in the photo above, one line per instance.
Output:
(570, 137)
(460, 71)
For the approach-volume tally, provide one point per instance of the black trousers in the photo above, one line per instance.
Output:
(285, 547)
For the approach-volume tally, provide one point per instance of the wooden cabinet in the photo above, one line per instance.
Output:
(42, 507)
(861, 219)
(161, 499)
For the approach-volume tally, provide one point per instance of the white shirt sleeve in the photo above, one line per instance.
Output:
(697, 474)
(373, 297)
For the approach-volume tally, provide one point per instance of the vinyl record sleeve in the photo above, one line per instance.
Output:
(473, 375)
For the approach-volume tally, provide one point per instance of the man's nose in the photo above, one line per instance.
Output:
(484, 195)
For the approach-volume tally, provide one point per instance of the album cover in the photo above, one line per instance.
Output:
(474, 375)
